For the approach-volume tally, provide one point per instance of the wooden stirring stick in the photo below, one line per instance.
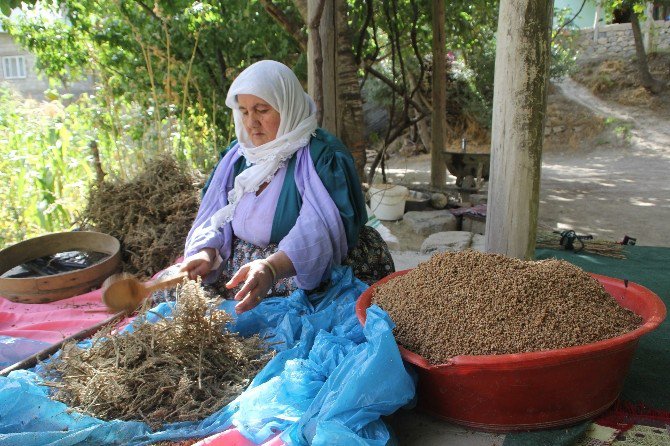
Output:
(123, 292)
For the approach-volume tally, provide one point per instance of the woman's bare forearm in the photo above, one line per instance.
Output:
(282, 265)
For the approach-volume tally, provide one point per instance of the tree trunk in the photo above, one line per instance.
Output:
(290, 26)
(315, 60)
(302, 7)
(438, 173)
(339, 101)
(424, 136)
(350, 122)
(653, 85)
(423, 125)
(338, 96)
(519, 105)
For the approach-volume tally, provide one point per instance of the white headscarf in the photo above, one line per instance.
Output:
(277, 85)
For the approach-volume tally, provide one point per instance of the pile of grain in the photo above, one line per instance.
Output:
(470, 303)
(150, 214)
(178, 369)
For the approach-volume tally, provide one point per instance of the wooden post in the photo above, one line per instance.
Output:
(315, 57)
(334, 83)
(327, 90)
(519, 105)
(97, 164)
(438, 175)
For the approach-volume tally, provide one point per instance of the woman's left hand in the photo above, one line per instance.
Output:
(257, 279)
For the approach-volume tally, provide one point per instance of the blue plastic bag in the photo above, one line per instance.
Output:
(329, 383)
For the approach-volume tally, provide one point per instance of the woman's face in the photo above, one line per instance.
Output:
(260, 120)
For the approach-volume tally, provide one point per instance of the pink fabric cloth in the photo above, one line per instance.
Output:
(51, 322)
(233, 437)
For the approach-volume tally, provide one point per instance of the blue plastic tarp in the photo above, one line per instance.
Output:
(329, 383)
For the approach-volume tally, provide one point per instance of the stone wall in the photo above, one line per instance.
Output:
(617, 40)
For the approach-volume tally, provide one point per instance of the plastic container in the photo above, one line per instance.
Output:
(387, 201)
(417, 201)
(537, 390)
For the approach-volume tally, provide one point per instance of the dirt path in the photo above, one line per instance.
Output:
(649, 131)
(609, 191)
(612, 191)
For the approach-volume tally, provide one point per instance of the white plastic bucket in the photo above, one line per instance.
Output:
(387, 201)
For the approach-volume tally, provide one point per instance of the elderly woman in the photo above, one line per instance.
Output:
(284, 204)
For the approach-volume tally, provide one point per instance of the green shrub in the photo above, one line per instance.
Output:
(44, 166)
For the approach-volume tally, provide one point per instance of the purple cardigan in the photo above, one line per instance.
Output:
(316, 242)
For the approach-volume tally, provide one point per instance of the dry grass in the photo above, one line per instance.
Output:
(618, 80)
(478, 138)
(179, 369)
(570, 126)
(151, 214)
(549, 239)
(636, 97)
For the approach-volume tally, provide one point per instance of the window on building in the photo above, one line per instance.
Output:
(14, 67)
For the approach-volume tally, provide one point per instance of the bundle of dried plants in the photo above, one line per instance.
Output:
(552, 240)
(182, 368)
(150, 214)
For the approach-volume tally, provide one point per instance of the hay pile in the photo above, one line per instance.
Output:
(179, 369)
(151, 214)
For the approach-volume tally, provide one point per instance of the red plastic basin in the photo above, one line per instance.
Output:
(536, 390)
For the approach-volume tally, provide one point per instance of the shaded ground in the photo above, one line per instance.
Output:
(606, 174)
(612, 190)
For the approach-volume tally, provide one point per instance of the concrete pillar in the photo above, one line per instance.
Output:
(596, 21)
(648, 32)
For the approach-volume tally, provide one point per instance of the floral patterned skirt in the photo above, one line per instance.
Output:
(242, 253)
(370, 261)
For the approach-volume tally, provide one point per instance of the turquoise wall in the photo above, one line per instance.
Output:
(585, 18)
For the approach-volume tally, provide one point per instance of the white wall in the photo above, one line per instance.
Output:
(33, 85)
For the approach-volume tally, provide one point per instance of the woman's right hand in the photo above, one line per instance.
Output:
(199, 264)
